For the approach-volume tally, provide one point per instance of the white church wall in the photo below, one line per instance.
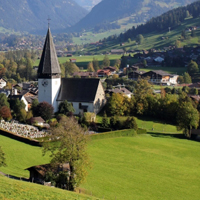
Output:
(49, 92)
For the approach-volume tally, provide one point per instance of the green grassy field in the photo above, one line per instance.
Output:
(144, 167)
(152, 166)
(20, 156)
(82, 61)
(19, 190)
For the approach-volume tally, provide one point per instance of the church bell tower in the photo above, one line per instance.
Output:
(49, 73)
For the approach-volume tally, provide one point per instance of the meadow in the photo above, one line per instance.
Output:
(159, 165)
(144, 167)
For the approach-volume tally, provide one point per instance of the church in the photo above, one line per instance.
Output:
(86, 95)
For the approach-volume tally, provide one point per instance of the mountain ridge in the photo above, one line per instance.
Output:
(111, 10)
(31, 15)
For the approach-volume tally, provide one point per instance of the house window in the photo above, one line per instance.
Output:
(80, 105)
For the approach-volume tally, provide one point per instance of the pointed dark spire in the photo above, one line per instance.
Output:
(49, 66)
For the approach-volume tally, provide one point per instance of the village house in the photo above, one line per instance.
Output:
(121, 90)
(2, 83)
(103, 73)
(161, 77)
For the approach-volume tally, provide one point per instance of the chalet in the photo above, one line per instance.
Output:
(2, 83)
(103, 73)
(112, 69)
(134, 75)
(161, 77)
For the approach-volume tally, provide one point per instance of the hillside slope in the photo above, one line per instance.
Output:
(31, 16)
(111, 10)
(19, 190)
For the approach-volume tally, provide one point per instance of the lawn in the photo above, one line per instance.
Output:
(144, 167)
(19, 190)
(20, 156)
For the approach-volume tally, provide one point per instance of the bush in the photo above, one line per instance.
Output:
(141, 131)
(130, 123)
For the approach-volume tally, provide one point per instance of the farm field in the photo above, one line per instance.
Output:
(144, 167)
(82, 61)
(18, 190)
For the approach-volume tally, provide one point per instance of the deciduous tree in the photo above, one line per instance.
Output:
(69, 146)
(45, 110)
(192, 67)
(187, 117)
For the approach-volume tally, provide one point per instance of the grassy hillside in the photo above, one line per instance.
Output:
(19, 190)
(20, 156)
(144, 167)
(153, 166)
(158, 40)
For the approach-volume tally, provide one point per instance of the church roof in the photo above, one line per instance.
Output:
(78, 90)
(49, 62)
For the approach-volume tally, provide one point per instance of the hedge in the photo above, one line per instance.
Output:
(113, 134)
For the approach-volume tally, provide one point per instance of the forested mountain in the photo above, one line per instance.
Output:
(172, 19)
(87, 4)
(31, 15)
(111, 10)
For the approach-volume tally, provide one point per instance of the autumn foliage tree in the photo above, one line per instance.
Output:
(5, 113)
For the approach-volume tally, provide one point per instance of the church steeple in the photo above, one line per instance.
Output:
(49, 66)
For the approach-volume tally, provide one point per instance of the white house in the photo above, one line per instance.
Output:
(2, 83)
